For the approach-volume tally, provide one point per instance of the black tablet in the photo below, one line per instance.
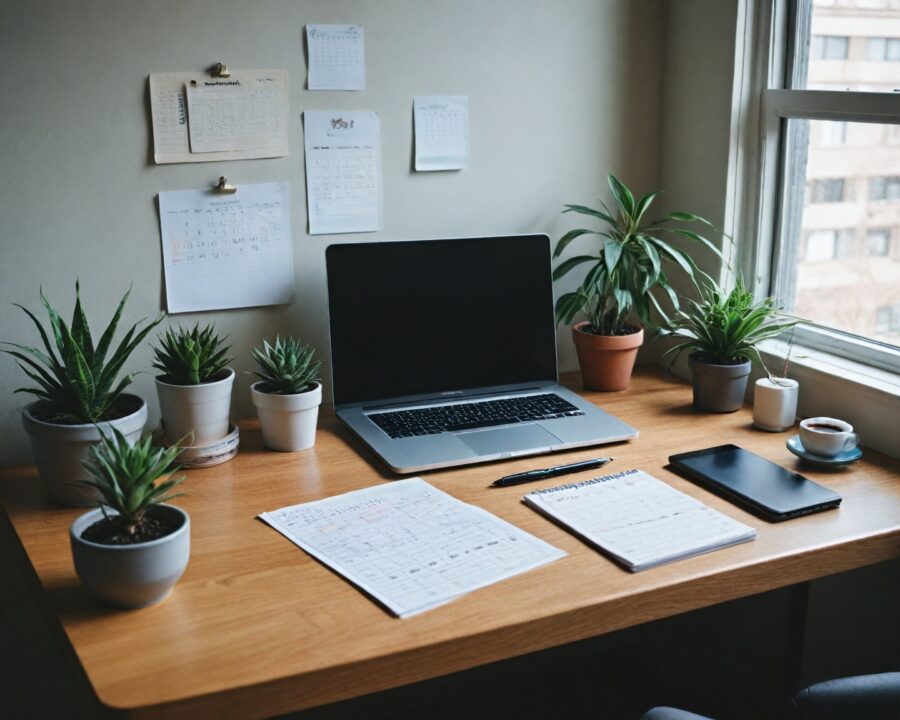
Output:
(754, 483)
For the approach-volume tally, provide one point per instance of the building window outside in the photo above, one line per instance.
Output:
(828, 47)
(881, 48)
(884, 188)
(887, 319)
(830, 190)
(833, 133)
(878, 242)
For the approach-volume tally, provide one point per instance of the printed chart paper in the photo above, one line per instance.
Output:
(442, 132)
(409, 545)
(336, 57)
(343, 171)
(230, 122)
(227, 251)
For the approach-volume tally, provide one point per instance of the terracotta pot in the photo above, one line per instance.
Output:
(606, 360)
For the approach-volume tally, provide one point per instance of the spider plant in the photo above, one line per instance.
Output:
(191, 356)
(73, 376)
(724, 328)
(631, 261)
(126, 477)
(287, 367)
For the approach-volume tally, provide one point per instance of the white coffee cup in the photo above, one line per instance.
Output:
(827, 436)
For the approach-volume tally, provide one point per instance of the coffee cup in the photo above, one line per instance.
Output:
(827, 436)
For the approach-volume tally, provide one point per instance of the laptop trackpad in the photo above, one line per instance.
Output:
(511, 439)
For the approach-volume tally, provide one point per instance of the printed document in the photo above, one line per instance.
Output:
(442, 132)
(343, 171)
(638, 520)
(336, 57)
(409, 545)
(197, 118)
(227, 251)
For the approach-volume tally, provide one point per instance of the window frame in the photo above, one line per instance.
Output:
(778, 105)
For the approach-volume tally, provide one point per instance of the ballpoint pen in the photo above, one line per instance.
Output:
(533, 475)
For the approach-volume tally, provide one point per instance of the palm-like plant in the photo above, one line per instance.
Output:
(73, 375)
(191, 356)
(288, 367)
(126, 477)
(724, 328)
(630, 263)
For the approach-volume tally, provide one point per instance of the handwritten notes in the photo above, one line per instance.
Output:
(197, 118)
(227, 251)
(409, 545)
(442, 132)
(336, 57)
(343, 171)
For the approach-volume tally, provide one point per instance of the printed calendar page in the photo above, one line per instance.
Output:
(442, 132)
(343, 171)
(227, 251)
(336, 57)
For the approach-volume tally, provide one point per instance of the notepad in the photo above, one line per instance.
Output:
(637, 520)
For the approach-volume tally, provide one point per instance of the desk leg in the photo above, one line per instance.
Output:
(792, 672)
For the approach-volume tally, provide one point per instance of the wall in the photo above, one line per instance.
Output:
(560, 94)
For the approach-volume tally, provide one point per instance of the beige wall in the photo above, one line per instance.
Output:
(560, 93)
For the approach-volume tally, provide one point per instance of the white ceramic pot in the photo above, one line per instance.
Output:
(775, 404)
(131, 576)
(203, 409)
(59, 451)
(288, 422)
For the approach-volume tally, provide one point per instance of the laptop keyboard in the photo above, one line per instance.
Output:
(469, 416)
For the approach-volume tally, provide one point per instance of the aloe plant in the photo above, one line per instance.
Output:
(288, 367)
(725, 328)
(191, 356)
(126, 477)
(630, 263)
(73, 375)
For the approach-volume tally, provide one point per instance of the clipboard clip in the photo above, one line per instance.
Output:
(223, 187)
(220, 71)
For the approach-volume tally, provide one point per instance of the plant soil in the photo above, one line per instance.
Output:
(123, 406)
(625, 330)
(112, 530)
(719, 361)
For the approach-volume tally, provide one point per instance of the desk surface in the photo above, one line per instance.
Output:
(256, 627)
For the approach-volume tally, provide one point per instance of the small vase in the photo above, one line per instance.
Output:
(775, 404)
(606, 361)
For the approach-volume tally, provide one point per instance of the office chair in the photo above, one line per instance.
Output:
(873, 697)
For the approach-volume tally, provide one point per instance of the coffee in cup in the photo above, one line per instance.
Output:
(827, 437)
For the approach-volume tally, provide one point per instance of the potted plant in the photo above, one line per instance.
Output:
(631, 262)
(288, 394)
(79, 395)
(775, 397)
(131, 551)
(721, 330)
(194, 389)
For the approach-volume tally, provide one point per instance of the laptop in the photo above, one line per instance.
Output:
(443, 353)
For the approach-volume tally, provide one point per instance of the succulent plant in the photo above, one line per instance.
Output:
(191, 356)
(287, 367)
(126, 477)
(73, 376)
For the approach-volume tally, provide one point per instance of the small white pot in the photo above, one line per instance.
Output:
(131, 576)
(203, 410)
(775, 404)
(59, 451)
(288, 422)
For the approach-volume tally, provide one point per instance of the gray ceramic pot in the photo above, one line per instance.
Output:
(131, 576)
(718, 388)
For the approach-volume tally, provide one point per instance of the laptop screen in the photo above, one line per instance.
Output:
(438, 316)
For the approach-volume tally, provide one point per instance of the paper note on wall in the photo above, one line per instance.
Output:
(442, 132)
(227, 251)
(336, 57)
(230, 122)
(343, 171)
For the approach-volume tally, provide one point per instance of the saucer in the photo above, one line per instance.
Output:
(206, 454)
(844, 458)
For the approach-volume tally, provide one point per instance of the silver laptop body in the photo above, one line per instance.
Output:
(434, 341)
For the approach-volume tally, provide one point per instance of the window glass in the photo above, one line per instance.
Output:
(839, 270)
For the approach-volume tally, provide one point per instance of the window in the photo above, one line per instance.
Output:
(878, 242)
(884, 188)
(829, 197)
(828, 47)
(879, 48)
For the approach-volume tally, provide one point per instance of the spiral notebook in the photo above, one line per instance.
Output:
(637, 520)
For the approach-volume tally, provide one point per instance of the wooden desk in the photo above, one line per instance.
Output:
(256, 627)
